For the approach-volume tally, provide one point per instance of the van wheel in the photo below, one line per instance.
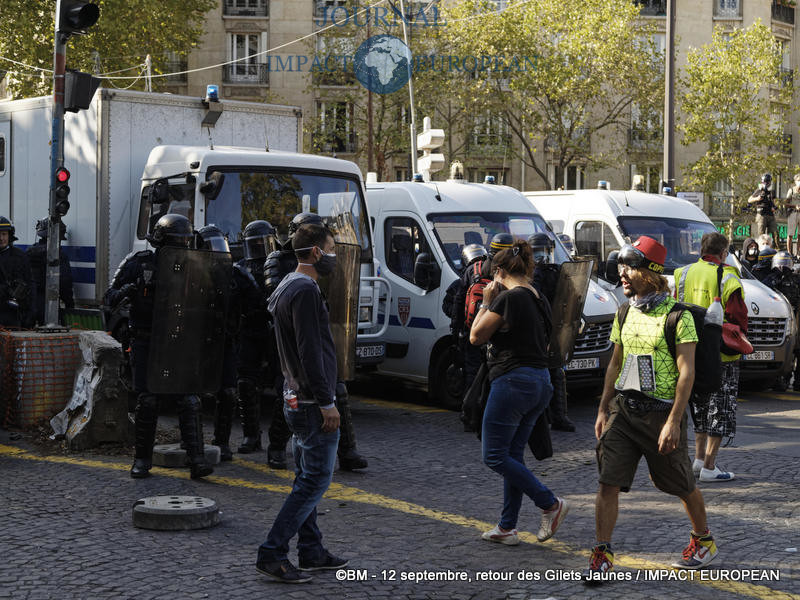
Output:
(446, 384)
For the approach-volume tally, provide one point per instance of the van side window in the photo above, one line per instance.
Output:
(589, 238)
(404, 241)
(610, 242)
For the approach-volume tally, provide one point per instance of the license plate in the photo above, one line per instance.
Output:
(760, 355)
(373, 351)
(577, 364)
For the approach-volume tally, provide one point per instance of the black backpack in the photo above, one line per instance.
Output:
(707, 359)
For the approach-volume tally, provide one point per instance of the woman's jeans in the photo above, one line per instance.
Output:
(516, 399)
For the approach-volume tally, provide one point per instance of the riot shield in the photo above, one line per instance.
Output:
(188, 335)
(567, 307)
(341, 288)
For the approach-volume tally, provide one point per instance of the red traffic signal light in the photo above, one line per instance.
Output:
(62, 175)
(76, 16)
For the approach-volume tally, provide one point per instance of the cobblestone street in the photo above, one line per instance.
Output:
(416, 514)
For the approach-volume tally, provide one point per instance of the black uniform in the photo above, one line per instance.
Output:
(136, 279)
(787, 283)
(17, 288)
(37, 256)
(545, 280)
(279, 264)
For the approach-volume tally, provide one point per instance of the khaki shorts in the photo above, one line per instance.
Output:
(766, 224)
(793, 224)
(630, 434)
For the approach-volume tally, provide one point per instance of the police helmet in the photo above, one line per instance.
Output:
(171, 230)
(304, 218)
(42, 226)
(471, 253)
(766, 179)
(567, 242)
(542, 245)
(765, 257)
(500, 241)
(782, 260)
(6, 225)
(211, 238)
(259, 239)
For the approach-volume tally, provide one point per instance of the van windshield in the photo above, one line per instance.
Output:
(680, 236)
(454, 231)
(277, 196)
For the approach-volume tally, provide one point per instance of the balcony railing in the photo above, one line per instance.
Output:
(782, 12)
(783, 144)
(176, 66)
(644, 138)
(786, 76)
(246, 8)
(652, 8)
(488, 143)
(332, 142)
(252, 74)
(727, 9)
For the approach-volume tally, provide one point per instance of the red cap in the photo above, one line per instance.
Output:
(652, 250)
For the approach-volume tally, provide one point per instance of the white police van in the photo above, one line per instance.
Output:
(600, 221)
(420, 229)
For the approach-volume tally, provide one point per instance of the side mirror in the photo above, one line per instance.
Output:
(427, 274)
(611, 272)
(212, 186)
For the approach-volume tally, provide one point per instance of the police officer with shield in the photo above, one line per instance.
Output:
(783, 279)
(138, 278)
(279, 264)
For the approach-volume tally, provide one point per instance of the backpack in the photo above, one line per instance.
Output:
(707, 358)
(474, 298)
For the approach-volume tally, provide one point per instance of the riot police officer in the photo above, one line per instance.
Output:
(783, 279)
(244, 296)
(17, 289)
(255, 339)
(545, 279)
(279, 264)
(37, 256)
(136, 279)
(764, 265)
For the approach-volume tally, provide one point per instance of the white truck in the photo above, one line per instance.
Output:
(128, 141)
(431, 222)
(600, 221)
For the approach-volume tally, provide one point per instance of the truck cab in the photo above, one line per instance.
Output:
(600, 221)
(420, 230)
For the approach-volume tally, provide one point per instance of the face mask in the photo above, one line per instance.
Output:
(326, 263)
(752, 252)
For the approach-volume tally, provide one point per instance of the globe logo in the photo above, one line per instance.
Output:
(381, 64)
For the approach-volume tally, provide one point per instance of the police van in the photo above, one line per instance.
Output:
(420, 230)
(600, 221)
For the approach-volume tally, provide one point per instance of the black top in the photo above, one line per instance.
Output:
(765, 205)
(522, 340)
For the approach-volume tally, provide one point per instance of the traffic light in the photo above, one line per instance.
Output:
(76, 16)
(79, 89)
(62, 191)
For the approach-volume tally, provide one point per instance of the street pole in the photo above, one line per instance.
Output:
(409, 60)
(56, 162)
(669, 100)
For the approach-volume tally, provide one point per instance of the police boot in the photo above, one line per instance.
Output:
(249, 412)
(558, 403)
(191, 424)
(227, 400)
(349, 458)
(279, 434)
(146, 422)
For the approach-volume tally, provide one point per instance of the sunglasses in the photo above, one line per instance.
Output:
(635, 259)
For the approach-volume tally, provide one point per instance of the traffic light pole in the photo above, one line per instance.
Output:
(56, 162)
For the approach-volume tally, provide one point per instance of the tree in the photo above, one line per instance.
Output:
(126, 32)
(562, 73)
(736, 100)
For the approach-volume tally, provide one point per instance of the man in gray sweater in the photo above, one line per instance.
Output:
(308, 363)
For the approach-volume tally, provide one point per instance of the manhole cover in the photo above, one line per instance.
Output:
(175, 513)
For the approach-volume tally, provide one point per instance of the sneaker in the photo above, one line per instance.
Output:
(715, 474)
(276, 458)
(697, 465)
(283, 571)
(699, 552)
(602, 562)
(326, 561)
(551, 520)
(509, 538)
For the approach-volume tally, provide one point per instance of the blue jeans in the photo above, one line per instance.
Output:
(315, 456)
(516, 399)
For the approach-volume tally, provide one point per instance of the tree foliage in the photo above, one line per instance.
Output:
(737, 102)
(572, 72)
(126, 32)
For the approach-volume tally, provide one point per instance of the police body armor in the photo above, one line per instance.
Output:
(188, 327)
(567, 308)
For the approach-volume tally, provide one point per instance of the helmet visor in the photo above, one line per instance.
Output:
(216, 243)
(259, 246)
(178, 240)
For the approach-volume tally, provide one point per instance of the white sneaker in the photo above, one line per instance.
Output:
(715, 474)
(551, 520)
(509, 538)
(697, 466)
